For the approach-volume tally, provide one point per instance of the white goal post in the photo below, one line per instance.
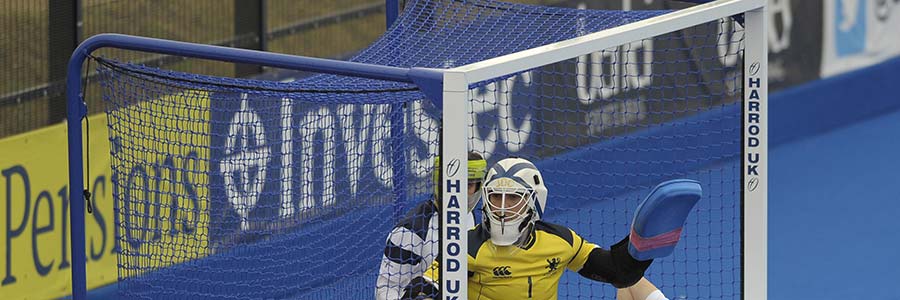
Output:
(457, 81)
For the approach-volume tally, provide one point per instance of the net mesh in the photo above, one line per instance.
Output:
(237, 188)
(605, 128)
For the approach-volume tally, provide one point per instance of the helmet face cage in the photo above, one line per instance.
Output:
(508, 213)
(508, 204)
(513, 198)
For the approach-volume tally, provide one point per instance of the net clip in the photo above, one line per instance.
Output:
(87, 200)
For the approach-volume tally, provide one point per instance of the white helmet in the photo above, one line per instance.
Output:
(514, 198)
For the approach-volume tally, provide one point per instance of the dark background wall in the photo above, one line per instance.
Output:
(39, 36)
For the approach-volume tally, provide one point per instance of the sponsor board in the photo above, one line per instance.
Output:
(160, 155)
(859, 33)
(35, 247)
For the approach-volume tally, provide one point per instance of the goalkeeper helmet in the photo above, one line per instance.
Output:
(514, 198)
(477, 166)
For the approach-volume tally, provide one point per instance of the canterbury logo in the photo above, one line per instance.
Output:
(502, 271)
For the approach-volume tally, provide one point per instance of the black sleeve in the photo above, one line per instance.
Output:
(615, 266)
(420, 288)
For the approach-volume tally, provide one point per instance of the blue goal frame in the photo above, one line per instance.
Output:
(430, 81)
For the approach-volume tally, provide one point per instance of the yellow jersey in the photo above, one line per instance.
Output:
(531, 272)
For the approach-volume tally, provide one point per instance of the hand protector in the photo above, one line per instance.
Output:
(659, 219)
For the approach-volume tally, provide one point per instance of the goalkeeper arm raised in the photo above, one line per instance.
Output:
(656, 229)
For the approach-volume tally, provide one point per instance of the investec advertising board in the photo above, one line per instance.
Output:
(284, 160)
(281, 161)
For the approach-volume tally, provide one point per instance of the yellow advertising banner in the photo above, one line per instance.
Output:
(34, 191)
(162, 162)
(161, 151)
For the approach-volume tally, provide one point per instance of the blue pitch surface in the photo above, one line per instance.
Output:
(833, 225)
(834, 231)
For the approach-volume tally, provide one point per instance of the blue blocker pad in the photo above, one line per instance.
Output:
(659, 219)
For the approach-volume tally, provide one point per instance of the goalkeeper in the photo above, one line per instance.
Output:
(413, 243)
(512, 254)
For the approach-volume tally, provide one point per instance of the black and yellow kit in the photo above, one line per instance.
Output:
(533, 271)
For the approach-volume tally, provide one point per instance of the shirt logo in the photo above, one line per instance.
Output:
(502, 271)
(552, 265)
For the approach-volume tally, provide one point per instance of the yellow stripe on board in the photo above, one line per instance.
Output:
(167, 138)
(35, 248)
(163, 158)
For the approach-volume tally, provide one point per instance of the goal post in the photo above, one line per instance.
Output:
(756, 170)
(458, 84)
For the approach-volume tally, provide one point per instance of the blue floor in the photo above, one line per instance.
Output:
(834, 214)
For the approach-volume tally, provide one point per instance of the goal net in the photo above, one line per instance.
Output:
(239, 188)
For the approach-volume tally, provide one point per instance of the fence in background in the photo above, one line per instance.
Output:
(39, 36)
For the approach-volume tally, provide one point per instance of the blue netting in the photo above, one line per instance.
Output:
(237, 188)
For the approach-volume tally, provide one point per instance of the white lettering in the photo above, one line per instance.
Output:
(496, 98)
(728, 48)
(287, 158)
(426, 130)
(613, 71)
(381, 133)
(514, 137)
(245, 151)
(315, 122)
(355, 136)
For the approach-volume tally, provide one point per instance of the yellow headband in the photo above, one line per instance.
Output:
(477, 169)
